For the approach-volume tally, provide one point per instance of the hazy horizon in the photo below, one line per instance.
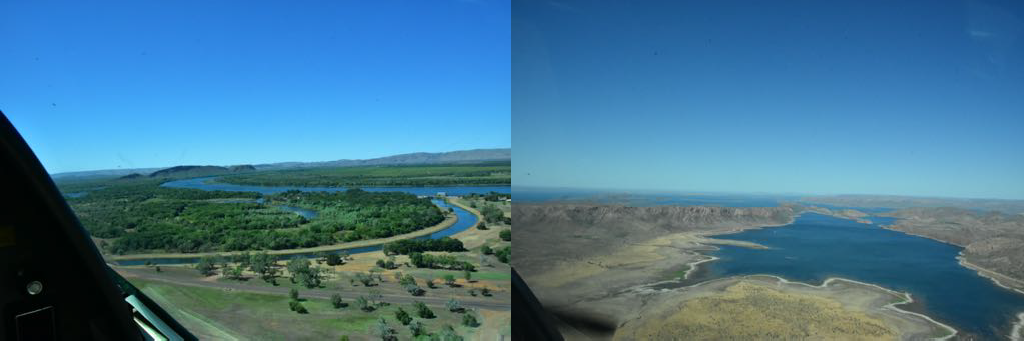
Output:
(272, 162)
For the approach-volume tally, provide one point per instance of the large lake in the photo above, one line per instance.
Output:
(817, 247)
(466, 219)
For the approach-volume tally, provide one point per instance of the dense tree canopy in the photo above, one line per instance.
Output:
(141, 216)
(498, 173)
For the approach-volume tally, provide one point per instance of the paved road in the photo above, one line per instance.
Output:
(148, 274)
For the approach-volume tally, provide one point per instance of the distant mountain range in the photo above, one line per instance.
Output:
(461, 156)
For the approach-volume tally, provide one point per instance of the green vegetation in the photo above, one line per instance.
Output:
(423, 311)
(421, 260)
(490, 196)
(497, 173)
(337, 302)
(504, 254)
(137, 215)
(407, 246)
(403, 317)
(469, 320)
(245, 315)
(493, 214)
(302, 272)
(506, 235)
(356, 214)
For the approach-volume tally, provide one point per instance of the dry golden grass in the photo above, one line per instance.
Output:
(749, 311)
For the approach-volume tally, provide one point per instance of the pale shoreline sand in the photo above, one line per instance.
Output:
(1017, 333)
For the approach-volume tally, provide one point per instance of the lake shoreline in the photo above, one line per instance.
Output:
(1017, 333)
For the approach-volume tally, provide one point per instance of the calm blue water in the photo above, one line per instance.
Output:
(465, 220)
(207, 184)
(817, 247)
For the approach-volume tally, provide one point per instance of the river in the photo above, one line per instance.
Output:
(465, 218)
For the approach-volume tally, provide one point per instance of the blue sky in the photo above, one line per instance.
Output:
(872, 97)
(102, 85)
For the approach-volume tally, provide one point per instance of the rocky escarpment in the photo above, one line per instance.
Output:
(554, 231)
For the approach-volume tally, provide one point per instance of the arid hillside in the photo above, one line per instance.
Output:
(992, 240)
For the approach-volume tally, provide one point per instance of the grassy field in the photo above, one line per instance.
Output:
(220, 314)
(752, 311)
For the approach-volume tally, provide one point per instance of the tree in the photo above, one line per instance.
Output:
(485, 291)
(504, 254)
(206, 266)
(406, 280)
(430, 281)
(297, 307)
(310, 277)
(449, 279)
(296, 266)
(492, 214)
(383, 330)
(422, 310)
(375, 296)
(467, 275)
(505, 235)
(157, 268)
(448, 334)
(263, 264)
(454, 306)
(403, 316)
(417, 329)
(469, 320)
(486, 249)
(333, 259)
(414, 290)
(481, 226)
(234, 273)
(336, 301)
(366, 280)
(293, 293)
(363, 304)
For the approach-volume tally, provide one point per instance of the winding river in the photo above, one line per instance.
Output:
(465, 218)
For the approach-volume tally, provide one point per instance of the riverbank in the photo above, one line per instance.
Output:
(1017, 333)
(999, 279)
(760, 306)
(450, 220)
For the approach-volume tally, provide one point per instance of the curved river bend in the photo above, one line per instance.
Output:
(465, 220)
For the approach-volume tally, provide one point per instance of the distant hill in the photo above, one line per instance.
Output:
(461, 156)
(898, 201)
(132, 176)
(455, 157)
(195, 171)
